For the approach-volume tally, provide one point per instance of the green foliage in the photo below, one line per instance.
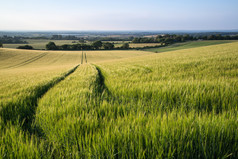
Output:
(12, 40)
(108, 46)
(96, 45)
(173, 38)
(25, 47)
(125, 46)
(1, 45)
(51, 46)
(39, 43)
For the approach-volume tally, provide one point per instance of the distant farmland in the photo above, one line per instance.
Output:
(40, 44)
(120, 104)
(188, 45)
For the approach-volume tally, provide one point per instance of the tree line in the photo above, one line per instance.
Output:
(25, 47)
(97, 45)
(94, 46)
(169, 39)
(11, 40)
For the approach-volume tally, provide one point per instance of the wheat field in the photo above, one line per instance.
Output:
(120, 104)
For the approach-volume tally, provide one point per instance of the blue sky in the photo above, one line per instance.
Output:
(118, 15)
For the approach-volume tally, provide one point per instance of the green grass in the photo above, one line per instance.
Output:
(179, 104)
(188, 45)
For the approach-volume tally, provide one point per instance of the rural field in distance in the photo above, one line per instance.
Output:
(120, 104)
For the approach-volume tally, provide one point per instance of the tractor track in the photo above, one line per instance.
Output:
(26, 62)
(23, 111)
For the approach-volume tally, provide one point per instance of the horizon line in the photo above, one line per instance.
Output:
(182, 30)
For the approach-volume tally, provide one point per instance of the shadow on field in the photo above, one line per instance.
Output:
(101, 82)
(23, 111)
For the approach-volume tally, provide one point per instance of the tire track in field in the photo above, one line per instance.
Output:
(23, 111)
(101, 81)
(26, 62)
(102, 91)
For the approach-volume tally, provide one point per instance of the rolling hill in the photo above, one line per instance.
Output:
(121, 104)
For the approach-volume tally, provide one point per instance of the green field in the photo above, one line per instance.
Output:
(188, 45)
(121, 104)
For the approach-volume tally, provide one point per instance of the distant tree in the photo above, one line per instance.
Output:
(86, 47)
(135, 40)
(65, 47)
(178, 38)
(51, 46)
(168, 41)
(11, 40)
(211, 37)
(1, 45)
(227, 37)
(76, 47)
(204, 37)
(97, 44)
(107, 46)
(218, 37)
(25, 47)
(125, 46)
(235, 37)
